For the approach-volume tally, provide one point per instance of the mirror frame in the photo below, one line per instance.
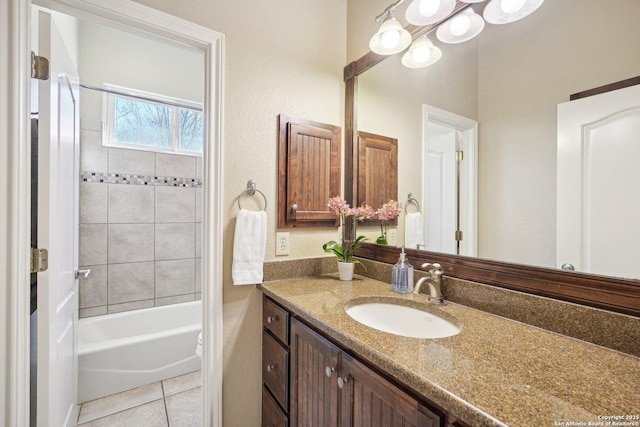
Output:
(604, 292)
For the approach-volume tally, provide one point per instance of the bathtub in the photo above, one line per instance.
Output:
(121, 351)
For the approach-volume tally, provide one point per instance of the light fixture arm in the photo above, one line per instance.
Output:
(388, 10)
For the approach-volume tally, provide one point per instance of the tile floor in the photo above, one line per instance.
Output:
(174, 402)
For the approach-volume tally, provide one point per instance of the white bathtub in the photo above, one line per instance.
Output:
(121, 351)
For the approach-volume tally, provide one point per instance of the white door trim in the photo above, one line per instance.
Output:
(15, 194)
(469, 186)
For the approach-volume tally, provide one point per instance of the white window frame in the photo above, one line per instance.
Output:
(111, 92)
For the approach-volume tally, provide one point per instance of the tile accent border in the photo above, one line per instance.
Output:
(134, 179)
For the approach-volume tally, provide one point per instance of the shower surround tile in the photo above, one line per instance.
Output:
(175, 241)
(176, 165)
(130, 242)
(136, 207)
(93, 156)
(175, 204)
(131, 282)
(93, 244)
(126, 161)
(131, 204)
(93, 203)
(175, 277)
(93, 289)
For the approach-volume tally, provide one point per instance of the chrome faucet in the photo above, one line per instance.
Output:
(434, 281)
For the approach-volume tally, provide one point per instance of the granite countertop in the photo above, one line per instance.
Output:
(495, 372)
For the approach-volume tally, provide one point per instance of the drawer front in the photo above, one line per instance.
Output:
(275, 369)
(276, 320)
(272, 415)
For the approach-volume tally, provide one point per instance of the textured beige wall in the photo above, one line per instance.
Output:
(280, 57)
(524, 72)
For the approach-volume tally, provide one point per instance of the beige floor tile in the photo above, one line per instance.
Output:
(182, 383)
(151, 414)
(185, 409)
(119, 402)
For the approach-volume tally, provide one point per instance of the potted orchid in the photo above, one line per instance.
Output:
(386, 213)
(346, 250)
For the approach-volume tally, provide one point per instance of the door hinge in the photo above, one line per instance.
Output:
(39, 67)
(458, 235)
(459, 155)
(39, 260)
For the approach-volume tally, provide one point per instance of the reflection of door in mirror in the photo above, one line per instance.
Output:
(450, 189)
(598, 202)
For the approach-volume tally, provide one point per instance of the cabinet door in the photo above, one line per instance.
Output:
(370, 400)
(314, 394)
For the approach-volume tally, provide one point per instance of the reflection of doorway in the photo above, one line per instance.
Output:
(450, 176)
(137, 18)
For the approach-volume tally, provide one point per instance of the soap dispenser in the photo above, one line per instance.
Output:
(402, 275)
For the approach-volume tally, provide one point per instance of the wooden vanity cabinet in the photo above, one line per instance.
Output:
(327, 386)
(275, 365)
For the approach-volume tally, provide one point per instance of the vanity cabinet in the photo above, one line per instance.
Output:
(329, 387)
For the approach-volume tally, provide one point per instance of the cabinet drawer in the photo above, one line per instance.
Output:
(275, 369)
(276, 320)
(272, 415)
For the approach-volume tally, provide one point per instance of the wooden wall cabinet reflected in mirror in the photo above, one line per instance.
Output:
(377, 169)
(308, 172)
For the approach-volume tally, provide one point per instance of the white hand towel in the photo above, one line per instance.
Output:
(249, 244)
(413, 235)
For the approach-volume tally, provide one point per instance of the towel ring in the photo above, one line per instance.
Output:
(411, 200)
(251, 191)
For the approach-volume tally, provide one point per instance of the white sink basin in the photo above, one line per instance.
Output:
(401, 320)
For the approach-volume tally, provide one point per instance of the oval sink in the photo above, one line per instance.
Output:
(401, 320)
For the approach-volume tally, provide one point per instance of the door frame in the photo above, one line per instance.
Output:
(468, 171)
(15, 194)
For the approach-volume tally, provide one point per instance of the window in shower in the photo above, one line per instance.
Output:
(146, 121)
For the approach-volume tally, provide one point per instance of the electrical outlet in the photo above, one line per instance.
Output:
(392, 236)
(282, 243)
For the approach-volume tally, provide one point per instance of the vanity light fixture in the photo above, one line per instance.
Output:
(506, 11)
(391, 37)
(422, 53)
(462, 27)
(425, 12)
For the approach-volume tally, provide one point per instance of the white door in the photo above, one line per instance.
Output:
(58, 171)
(441, 208)
(598, 202)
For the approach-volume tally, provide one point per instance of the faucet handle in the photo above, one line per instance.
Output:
(432, 267)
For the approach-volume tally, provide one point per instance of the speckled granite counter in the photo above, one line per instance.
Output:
(495, 372)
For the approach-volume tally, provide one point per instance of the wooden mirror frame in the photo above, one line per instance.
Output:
(608, 293)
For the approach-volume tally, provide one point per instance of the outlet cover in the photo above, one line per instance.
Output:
(282, 243)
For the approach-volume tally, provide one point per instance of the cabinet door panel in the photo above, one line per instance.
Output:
(314, 395)
(372, 401)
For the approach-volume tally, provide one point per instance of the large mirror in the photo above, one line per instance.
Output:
(510, 80)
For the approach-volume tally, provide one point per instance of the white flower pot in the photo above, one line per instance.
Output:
(345, 270)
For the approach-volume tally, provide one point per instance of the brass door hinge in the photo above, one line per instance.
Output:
(459, 155)
(39, 260)
(39, 67)
(458, 235)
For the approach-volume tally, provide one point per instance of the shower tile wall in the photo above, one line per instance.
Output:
(139, 235)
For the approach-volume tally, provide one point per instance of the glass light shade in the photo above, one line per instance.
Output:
(416, 16)
(422, 53)
(460, 28)
(391, 38)
(506, 11)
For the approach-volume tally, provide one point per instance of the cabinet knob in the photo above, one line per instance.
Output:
(329, 371)
(272, 319)
(342, 382)
(271, 367)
